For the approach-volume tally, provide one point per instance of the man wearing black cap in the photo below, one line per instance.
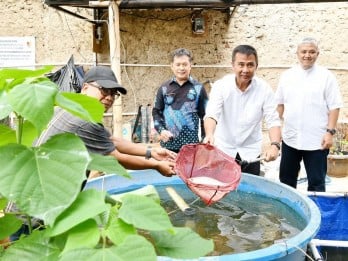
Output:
(100, 82)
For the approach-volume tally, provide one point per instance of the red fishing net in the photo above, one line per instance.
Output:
(207, 171)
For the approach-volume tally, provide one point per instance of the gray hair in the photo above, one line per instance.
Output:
(309, 40)
(181, 52)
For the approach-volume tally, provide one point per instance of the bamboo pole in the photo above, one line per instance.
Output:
(114, 41)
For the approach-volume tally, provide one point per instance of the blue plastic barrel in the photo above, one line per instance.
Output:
(289, 249)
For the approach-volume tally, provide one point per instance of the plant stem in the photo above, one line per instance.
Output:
(19, 131)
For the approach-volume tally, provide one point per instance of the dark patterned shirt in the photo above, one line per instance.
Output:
(180, 110)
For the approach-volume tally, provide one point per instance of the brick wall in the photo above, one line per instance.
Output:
(147, 37)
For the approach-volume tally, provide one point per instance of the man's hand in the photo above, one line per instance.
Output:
(327, 141)
(209, 139)
(272, 153)
(166, 168)
(163, 154)
(166, 135)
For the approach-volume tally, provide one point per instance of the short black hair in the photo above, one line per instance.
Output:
(245, 49)
(181, 52)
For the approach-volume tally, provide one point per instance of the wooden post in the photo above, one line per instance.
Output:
(114, 41)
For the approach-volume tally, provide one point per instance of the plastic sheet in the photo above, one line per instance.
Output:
(334, 217)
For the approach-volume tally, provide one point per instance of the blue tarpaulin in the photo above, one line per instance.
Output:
(334, 217)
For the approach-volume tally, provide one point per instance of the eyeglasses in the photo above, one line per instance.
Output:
(107, 91)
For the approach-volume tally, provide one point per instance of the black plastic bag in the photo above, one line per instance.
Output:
(69, 78)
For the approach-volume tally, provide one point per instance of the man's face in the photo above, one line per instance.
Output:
(105, 95)
(244, 66)
(181, 68)
(307, 54)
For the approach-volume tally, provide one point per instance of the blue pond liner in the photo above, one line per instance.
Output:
(289, 249)
(331, 242)
(334, 216)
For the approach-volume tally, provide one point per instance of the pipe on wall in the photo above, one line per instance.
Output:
(148, 4)
(152, 4)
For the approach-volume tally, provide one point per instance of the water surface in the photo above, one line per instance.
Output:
(240, 222)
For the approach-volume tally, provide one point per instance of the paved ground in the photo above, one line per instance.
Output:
(271, 171)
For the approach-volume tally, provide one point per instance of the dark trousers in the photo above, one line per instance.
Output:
(251, 168)
(23, 230)
(315, 162)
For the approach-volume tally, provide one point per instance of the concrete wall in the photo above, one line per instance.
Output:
(148, 36)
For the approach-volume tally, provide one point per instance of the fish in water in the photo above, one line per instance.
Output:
(207, 181)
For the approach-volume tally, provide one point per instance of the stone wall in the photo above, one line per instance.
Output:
(148, 36)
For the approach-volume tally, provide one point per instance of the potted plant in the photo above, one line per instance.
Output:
(45, 182)
(338, 156)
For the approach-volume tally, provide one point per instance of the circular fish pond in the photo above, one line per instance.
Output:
(262, 220)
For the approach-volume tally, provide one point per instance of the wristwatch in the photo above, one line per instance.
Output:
(148, 152)
(277, 144)
(331, 131)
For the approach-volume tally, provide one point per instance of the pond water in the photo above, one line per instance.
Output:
(240, 222)
(334, 253)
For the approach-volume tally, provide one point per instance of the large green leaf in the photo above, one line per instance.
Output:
(9, 224)
(85, 234)
(29, 133)
(7, 135)
(144, 213)
(3, 202)
(5, 106)
(33, 247)
(83, 106)
(107, 164)
(80, 211)
(44, 180)
(14, 73)
(34, 102)
(118, 230)
(134, 248)
(148, 191)
(183, 244)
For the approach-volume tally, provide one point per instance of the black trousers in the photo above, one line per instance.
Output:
(315, 162)
(250, 168)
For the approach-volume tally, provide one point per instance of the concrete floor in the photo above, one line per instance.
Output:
(271, 171)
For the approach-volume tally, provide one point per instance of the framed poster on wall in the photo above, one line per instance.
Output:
(17, 51)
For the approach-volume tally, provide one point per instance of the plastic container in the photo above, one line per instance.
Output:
(289, 249)
(337, 166)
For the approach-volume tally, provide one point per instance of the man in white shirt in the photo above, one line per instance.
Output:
(309, 101)
(237, 105)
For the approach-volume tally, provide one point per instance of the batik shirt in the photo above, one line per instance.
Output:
(180, 110)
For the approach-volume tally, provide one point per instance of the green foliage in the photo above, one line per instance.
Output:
(9, 224)
(45, 183)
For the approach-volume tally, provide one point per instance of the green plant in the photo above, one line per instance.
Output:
(45, 182)
(340, 145)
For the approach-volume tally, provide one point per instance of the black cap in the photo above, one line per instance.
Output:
(105, 77)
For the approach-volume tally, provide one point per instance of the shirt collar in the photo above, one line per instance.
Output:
(250, 86)
(190, 79)
(307, 71)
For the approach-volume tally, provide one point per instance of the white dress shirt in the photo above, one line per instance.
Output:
(307, 96)
(239, 115)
